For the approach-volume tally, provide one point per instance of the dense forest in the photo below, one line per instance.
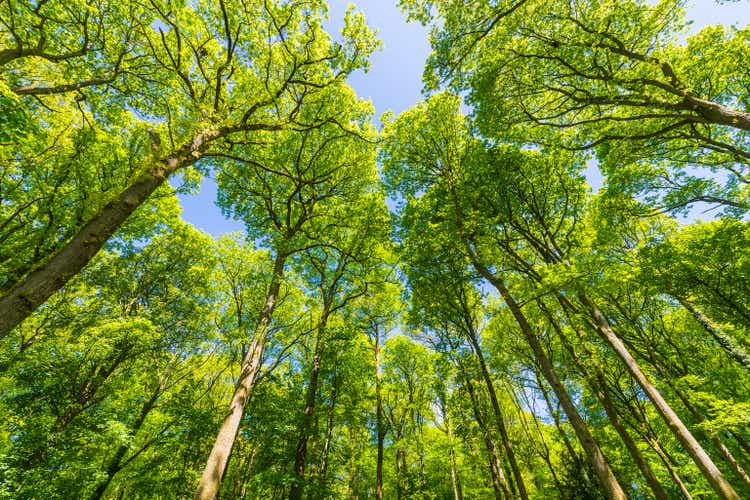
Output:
(434, 304)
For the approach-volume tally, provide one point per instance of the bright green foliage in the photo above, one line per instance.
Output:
(613, 77)
(457, 347)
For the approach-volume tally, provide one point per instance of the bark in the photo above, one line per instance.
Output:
(716, 113)
(733, 349)
(590, 446)
(300, 455)
(116, 462)
(36, 287)
(499, 483)
(380, 427)
(216, 465)
(712, 473)
(598, 383)
(499, 421)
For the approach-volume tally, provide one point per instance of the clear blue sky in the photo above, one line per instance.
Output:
(395, 80)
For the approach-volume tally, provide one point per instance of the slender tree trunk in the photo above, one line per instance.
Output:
(499, 421)
(499, 482)
(632, 447)
(594, 453)
(115, 463)
(353, 486)
(247, 474)
(732, 348)
(545, 452)
(741, 442)
(455, 476)
(400, 470)
(598, 383)
(213, 473)
(37, 286)
(556, 418)
(694, 449)
(379, 424)
(665, 459)
(300, 455)
(589, 444)
(725, 452)
(329, 434)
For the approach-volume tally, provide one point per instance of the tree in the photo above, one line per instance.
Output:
(614, 78)
(213, 95)
(290, 194)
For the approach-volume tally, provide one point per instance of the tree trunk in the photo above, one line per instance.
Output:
(725, 452)
(734, 350)
(665, 459)
(556, 417)
(691, 445)
(544, 453)
(216, 465)
(380, 427)
(329, 434)
(590, 446)
(300, 455)
(455, 476)
(499, 421)
(499, 482)
(37, 286)
(598, 383)
(630, 444)
(115, 463)
(400, 470)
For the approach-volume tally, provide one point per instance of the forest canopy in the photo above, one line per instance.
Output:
(431, 304)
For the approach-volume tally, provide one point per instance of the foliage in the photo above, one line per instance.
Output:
(440, 309)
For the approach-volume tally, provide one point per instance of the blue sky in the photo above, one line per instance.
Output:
(394, 81)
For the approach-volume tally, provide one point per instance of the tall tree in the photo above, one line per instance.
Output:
(290, 194)
(273, 61)
(614, 78)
